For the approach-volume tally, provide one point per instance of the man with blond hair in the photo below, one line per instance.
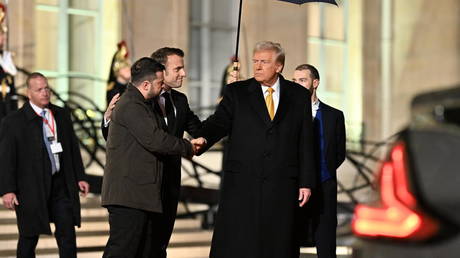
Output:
(269, 168)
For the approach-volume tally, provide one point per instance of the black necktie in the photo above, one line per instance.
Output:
(169, 109)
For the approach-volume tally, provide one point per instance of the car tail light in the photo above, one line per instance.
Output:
(398, 215)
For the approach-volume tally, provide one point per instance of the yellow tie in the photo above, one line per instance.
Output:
(269, 103)
(4, 89)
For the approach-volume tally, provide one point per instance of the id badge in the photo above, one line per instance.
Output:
(56, 147)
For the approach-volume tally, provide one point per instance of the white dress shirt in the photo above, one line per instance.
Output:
(50, 119)
(314, 107)
(275, 94)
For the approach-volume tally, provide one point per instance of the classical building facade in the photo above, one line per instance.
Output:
(373, 55)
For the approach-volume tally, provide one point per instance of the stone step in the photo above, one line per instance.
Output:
(181, 226)
(177, 240)
(188, 239)
(177, 252)
(96, 240)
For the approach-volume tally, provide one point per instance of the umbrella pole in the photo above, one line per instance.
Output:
(235, 63)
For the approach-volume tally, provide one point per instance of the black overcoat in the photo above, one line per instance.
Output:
(26, 168)
(267, 162)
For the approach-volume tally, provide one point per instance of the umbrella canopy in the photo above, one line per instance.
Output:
(309, 1)
(290, 1)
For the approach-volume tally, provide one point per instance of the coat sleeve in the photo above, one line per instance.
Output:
(7, 159)
(219, 124)
(307, 173)
(140, 123)
(192, 122)
(341, 140)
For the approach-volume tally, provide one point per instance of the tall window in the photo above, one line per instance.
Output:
(333, 46)
(211, 44)
(327, 49)
(74, 44)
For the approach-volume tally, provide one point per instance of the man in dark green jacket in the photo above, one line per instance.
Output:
(131, 188)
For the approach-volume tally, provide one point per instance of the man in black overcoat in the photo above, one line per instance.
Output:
(269, 167)
(42, 170)
(329, 124)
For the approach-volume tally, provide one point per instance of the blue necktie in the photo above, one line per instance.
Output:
(48, 145)
(325, 175)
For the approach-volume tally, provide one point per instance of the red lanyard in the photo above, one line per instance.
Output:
(50, 126)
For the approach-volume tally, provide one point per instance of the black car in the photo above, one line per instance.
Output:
(417, 214)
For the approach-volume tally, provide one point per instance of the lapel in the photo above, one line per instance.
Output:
(30, 113)
(256, 98)
(35, 126)
(283, 101)
(327, 118)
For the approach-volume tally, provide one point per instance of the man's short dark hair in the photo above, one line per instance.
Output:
(32, 76)
(145, 69)
(314, 72)
(161, 55)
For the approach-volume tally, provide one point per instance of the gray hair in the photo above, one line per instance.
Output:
(276, 47)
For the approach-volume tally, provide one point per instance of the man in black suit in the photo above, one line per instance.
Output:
(269, 167)
(42, 170)
(132, 188)
(330, 153)
(173, 107)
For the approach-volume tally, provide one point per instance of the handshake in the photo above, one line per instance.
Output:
(198, 144)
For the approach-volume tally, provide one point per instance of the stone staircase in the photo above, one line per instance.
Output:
(188, 239)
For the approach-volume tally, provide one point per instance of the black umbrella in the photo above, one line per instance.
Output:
(309, 1)
(235, 67)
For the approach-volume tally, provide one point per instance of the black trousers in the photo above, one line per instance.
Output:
(170, 198)
(139, 233)
(60, 210)
(325, 219)
(133, 233)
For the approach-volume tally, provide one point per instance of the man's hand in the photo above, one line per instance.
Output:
(10, 200)
(233, 76)
(111, 106)
(197, 144)
(304, 195)
(84, 188)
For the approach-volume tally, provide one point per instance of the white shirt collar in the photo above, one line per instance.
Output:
(163, 91)
(275, 87)
(315, 105)
(37, 109)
